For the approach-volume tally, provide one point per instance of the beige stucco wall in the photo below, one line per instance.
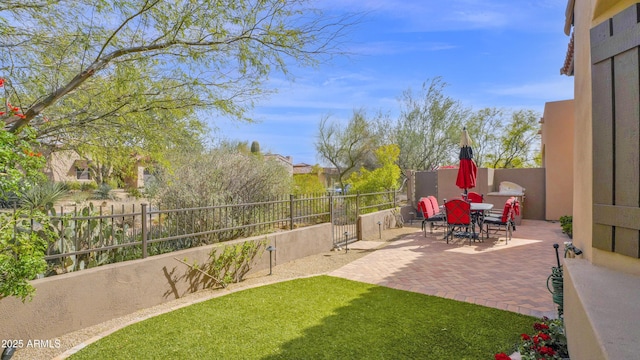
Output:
(488, 180)
(447, 188)
(557, 142)
(368, 224)
(60, 166)
(585, 334)
(77, 300)
(583, 184)
(73, 301)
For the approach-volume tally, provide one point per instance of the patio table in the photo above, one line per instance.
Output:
(478, 210)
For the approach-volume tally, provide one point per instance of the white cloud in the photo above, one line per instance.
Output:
(552, 90)
(454, 15)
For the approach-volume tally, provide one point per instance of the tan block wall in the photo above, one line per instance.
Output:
(557, 142)
(488, 180)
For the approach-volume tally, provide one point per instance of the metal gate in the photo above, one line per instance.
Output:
(344, 218)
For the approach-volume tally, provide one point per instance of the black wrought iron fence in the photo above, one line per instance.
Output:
(92, 236)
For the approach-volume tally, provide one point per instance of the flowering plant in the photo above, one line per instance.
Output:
(549, 342)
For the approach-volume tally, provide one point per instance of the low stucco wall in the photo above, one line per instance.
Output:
(600, 311)
(368, 224)
(74, 301)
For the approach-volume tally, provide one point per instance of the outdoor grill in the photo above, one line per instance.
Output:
(506, 190)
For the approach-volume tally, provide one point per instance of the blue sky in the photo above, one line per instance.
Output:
(491, 53)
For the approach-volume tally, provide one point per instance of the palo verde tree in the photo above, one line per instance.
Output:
(485, 127)
(79, 67)
(384, 177)
(98, 74)
(348, 147)
(307, 184)
(427, 131)
(516, 145)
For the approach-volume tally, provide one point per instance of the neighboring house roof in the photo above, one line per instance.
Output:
(285, 159)
(567, 67)
(302, 168)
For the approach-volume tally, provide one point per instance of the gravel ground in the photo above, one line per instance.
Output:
(309, 266)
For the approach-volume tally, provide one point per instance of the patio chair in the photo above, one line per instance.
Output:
(505, 222)
(458, 213)
(432, 214)
(475, 197)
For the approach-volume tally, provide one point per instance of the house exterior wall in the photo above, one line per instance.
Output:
(583, 184)
(557, 141)
(590, 335)
(61, 166)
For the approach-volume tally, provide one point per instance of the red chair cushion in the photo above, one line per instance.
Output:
(458, 212)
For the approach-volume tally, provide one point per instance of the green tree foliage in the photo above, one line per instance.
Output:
(21, 164)
(22, 247)
(427, 131)
(304, 184)
(346, 148)
(22, 251)
(63, 57)
(515, 147)
(385, 177)
(484, 127)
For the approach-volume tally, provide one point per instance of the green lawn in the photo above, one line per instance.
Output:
(318, 318)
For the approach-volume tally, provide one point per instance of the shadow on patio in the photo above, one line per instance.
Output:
(510, 277)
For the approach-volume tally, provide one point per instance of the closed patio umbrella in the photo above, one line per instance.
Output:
(468, 170)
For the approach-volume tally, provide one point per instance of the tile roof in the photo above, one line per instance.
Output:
(567, 67)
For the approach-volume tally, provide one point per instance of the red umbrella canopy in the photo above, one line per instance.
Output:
(468, 170)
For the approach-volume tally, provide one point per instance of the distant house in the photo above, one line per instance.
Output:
(286, 161)
(69, 166)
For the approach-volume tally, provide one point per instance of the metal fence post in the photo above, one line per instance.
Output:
(331, 208)
(357, 203)
(291, 196)
(144, 230)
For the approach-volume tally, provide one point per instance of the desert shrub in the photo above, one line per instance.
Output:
(566, 222)
(220, 176)
(73, 185)
(103, 192)
(89, 186)
(133, 192)
(114, 183)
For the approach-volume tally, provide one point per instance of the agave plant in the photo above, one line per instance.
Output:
(43, 196)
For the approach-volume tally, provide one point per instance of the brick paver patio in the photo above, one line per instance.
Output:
(510, 277)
